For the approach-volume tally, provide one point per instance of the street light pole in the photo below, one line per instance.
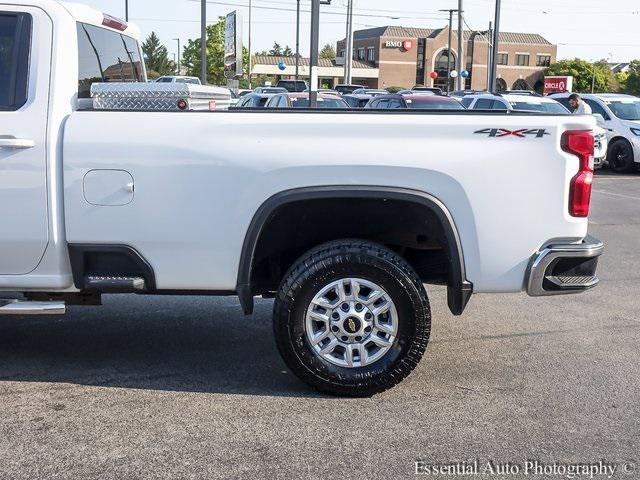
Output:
(126, 10)
(489, 54)
(461, 62)
(249, 44)
(451, 11)
(494, 49)
(313, 57)
(203, 42)
(298, 40)
(178, 64)
(348, 55)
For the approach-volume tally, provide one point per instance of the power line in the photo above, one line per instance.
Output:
(342, 14)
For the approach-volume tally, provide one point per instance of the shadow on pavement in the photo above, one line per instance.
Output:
(607, 173)
(193, 344)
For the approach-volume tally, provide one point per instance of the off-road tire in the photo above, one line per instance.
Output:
(369, 261)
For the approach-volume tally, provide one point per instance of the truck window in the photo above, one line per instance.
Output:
(15, 43)
(106, 56)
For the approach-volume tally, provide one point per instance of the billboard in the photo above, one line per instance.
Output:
(558, 84)
(233, 45)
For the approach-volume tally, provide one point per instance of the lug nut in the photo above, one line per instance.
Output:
(358, 339)
(359, 307)
(368, 316)
(344, 339)
(334, 329)
(368, 329)
(345, 307)
(335, 315)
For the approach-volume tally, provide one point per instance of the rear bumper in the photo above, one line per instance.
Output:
(563, 268)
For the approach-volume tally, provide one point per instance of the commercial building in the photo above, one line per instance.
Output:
(330, 71)
(405, 57)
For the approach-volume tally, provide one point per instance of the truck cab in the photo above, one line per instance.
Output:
(41, 84)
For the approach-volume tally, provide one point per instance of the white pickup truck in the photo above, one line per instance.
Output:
(342, 216)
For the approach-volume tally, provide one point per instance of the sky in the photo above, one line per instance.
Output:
(590, 29)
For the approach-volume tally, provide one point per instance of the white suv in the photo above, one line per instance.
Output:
(533, 102)
(621, 114)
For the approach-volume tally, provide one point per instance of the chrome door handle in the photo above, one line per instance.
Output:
(10, 142)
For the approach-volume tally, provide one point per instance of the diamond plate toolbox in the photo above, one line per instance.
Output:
(158, 96)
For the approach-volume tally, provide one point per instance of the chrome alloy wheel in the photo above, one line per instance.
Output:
(351, 322)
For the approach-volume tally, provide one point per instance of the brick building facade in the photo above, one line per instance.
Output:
(406, 56)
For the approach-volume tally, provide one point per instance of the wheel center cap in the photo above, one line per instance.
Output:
(352, 325)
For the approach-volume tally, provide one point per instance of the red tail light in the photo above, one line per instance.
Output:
(580, 144)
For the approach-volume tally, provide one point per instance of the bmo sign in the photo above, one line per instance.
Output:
(557, 84)
(405, 45)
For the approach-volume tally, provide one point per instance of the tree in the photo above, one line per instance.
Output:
(632, 80)
(583, 74)
(328, 52)
(287, 51)
(157, 57)
(215, 55)
(276, 50)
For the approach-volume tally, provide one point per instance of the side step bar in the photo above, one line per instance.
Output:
(114, 284)
(21, 307)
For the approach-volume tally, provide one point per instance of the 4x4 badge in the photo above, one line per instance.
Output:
(521, 133)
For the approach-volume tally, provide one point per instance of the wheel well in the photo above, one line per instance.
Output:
(418, 227)
(618, 139)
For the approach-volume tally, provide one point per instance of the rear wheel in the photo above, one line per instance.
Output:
(352, 318)
(620, 157)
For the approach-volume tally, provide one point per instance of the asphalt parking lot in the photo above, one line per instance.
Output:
(175, 387)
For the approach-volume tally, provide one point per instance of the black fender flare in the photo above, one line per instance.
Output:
(459, 289)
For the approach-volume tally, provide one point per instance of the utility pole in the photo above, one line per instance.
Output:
(249, 44)
(348, 54)
(461, 60)
(313, 57)
(298, 40)
(489, 54)
(126, 10)
(451, 11)
(203, 42)
(178, 64)
(494, 49)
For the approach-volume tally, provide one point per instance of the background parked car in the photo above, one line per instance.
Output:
(412, 92)
(518, 102)
(253, 100)
(330, 91)
(416, 101)
(293, 85)
(357, 101)
(462, 93)
(422, 88)
(179, 79)
(621, 115)
(370, 91)
(345, 89)
(270, 90)
(301, 100)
